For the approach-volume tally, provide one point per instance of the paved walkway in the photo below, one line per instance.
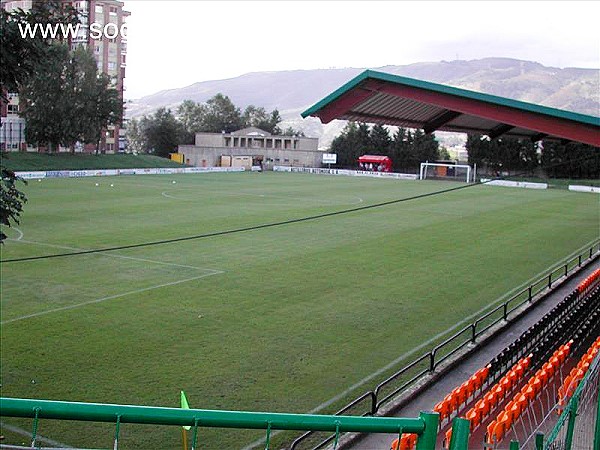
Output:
(425, 400)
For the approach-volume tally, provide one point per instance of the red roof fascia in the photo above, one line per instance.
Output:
(373, 158)
(543, 124)
(344, 103)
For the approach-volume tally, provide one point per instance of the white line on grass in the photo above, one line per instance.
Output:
(434, 338)
(22, 432)
(419, 347)
(20, 234)
(276, 196)
(110, 297)
(112, 255)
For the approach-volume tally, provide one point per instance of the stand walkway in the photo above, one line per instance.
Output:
(426, 399)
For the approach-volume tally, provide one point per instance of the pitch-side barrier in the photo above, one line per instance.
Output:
(117, 172)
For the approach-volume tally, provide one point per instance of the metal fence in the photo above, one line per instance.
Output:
(578, 427)
(425, 426)
(370, 402)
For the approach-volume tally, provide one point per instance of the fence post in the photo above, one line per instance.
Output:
(426, 441)
(529, 289)
(550, 280)
(571, 423)
(432, 361)
(539, 441)
(460, 434)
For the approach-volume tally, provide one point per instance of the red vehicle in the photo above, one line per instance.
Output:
(375, 163)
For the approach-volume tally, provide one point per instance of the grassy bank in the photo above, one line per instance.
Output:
(78, 161)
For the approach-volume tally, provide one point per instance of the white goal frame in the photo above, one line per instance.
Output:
(423, 170)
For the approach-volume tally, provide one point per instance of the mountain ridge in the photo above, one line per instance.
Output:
(292, 91)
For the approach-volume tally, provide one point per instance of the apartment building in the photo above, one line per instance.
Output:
(103, 29)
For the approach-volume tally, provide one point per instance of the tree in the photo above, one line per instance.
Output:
(96, 103)
(21, 57)
(380, 141)
(571, 160)
(403, 159)
(162, 132)
(351, 143)
(504, 154)
(191, 115)
(12, 200)
(258, 117)
(136, 135)
(68, 101)
(443, 154)
(425, 146)
(221, 115)
(289, 131)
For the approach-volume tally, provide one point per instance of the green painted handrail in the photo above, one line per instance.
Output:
(99, 412)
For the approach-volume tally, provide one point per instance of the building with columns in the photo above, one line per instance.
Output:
(261, 147)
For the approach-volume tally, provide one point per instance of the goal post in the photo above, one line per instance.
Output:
(458, 172)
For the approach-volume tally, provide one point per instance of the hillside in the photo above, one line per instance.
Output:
(292, 92)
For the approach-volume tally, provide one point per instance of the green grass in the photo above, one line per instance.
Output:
(29, 161)
(275, 319)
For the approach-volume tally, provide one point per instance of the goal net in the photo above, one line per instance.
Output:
(456, 172)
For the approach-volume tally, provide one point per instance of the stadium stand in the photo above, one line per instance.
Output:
(534, 375)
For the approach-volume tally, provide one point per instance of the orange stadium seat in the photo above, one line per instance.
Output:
(489, 434)
(483, 406)
(443, 409)
(474, 417)
(447, 438)
(528, 392)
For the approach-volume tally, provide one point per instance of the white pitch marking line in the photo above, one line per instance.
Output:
(20, 234)
(276, 196)
(164, 194)
(22, 432)
(110, 297)
(112, 255)
(410, 352)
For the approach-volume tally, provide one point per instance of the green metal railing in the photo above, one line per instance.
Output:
(426, 425)
(578, 427)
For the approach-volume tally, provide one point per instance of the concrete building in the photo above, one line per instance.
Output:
(252, 146)
(102, 28)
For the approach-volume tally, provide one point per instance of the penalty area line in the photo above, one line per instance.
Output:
(110, 297)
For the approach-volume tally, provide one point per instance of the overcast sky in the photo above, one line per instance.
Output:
(177, 43)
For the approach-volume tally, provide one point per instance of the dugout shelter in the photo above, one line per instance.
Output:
(377, 97)
(377, 163)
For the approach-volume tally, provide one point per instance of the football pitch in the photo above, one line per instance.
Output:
(294, 317)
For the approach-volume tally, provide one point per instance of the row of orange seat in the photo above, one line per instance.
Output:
(484, 406)
(567, 389)
(493, 396)
(461, 394)
(589, 281)
(498, 428)
(406, 442)
(448, 406)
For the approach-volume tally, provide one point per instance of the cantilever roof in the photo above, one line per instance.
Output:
(378, 97)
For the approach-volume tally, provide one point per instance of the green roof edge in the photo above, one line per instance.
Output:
(450, 90)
